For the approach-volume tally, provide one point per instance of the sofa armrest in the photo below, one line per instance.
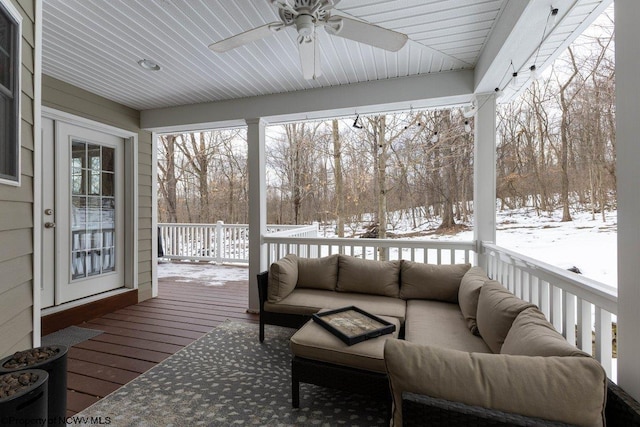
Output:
(622, 409)
(564, 389)
(418, 409)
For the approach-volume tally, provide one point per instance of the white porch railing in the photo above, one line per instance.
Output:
(578, 307)
(430, 251)
(218, 242)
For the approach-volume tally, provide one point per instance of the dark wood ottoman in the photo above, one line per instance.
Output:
(321, 358)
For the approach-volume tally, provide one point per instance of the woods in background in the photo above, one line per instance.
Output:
(555, 149)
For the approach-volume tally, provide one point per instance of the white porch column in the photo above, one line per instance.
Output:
(257, 206)
(484, 172)
(628, 179)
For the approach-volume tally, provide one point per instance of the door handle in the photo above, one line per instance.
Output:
(49, 225)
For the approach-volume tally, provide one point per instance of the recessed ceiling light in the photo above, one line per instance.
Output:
(148, 64)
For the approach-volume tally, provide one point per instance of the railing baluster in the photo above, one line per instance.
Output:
(544, 299)
(569, 317)
(585, 322)
(535, 291)
(556, 308)
(603, 339)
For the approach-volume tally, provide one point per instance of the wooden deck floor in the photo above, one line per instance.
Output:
(138, 337)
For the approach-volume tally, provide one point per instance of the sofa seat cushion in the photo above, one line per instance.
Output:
(318, 273)
(497, 309)
(314, 342)
(440, 324)
(565, 389)
(367, 276)
(429, 281)
(283, 276)
(468, 295)
(309, 301)
(532, 335)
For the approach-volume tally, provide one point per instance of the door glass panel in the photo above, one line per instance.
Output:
(92, 210)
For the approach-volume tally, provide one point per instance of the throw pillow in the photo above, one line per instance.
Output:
(497, 309)
(430, 281)
(532, 335)
(468, 295)
(283, 276)
(318, 273)
(368, 277)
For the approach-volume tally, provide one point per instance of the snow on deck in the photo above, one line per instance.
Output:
(208, 274)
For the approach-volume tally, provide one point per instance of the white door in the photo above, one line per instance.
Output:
(83, 197)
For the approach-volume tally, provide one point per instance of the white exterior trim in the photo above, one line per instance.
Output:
(484, 172)
(15, 14)
(154, 215)
(628, 174)
(131, 186)
(401, 94)
(37, 176)
(256, 165)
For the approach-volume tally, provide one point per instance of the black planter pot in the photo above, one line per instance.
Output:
(56, 367)
(27, 407)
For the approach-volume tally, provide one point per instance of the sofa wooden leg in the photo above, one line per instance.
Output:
(261, 334)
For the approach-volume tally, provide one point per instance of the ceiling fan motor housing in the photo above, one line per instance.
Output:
(305, 25)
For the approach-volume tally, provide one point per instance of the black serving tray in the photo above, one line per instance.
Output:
(352, 324)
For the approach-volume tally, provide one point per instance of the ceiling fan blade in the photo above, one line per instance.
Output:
(367, 33)
(309, 57)
(246, 37)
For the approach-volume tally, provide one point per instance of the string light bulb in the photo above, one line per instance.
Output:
(554, 16)
(534, 72)
(514, 80)
(467, 126)
(434, 137)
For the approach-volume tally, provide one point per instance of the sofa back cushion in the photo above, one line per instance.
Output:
(497, 309)
(532, 335)
(430, 281)
(368, 277)
(468, 295)
(283, 276)
(318, 273)
(570, 390)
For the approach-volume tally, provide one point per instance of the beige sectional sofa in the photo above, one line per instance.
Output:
(464, 337)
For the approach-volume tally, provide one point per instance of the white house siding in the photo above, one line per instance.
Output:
(16, 214)
(73, 100)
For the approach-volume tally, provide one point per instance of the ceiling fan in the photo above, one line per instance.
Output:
(307, 16)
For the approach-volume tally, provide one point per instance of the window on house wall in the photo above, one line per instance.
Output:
(10, 63)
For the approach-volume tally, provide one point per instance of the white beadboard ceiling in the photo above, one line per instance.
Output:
(96, 44)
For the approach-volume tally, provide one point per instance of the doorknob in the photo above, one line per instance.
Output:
(49, 225)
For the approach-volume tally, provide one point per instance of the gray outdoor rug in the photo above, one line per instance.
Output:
(69, 336)
(228, 378)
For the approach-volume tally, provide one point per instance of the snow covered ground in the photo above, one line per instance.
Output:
(203, 272)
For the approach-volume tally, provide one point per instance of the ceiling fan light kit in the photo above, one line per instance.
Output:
(306, 16)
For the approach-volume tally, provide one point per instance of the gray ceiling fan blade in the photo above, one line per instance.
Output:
(309, 57)
(367, 33)
(246, 37)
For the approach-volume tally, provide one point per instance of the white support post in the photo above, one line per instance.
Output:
(628, 176)
(484, 172)
(256, 162)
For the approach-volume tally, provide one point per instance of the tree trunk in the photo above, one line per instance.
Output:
(337, 171)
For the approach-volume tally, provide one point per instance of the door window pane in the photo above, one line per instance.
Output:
(93, 206)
